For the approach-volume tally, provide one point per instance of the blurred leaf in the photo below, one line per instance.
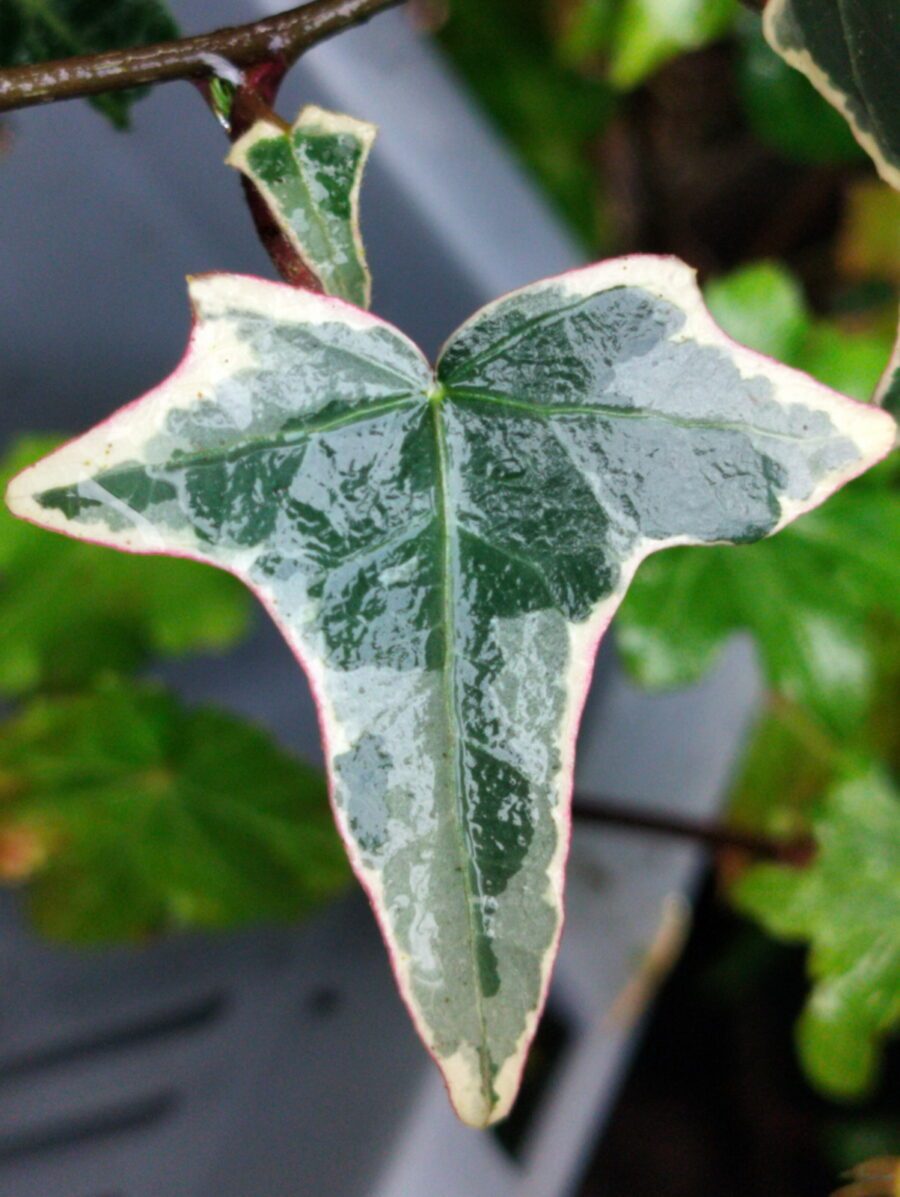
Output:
(888, 392)
(784, 109)
(847, 905)
(789, 763)
(39, 30)
(878, 1177)
(633, 38)
(849, 50)
(851, 362)
(808, 596)
(551, 116)
(762, 306)
(648, 33)
(130, 816)
(869, 239)
(70, 611)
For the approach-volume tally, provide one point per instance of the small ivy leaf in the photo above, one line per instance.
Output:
(310, 176)
(849, 50)
(70, 612)
(846, 904)
(443, 549)
(32, 32)
(129, 815)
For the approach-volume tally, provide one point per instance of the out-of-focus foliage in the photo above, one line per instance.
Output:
(807, 597)
(130, 815)
(868, 244)
(632, 38)
(783, 108)
(849, 50)
(846, 904)
(550, 113)
(877, 1177)
(39, 30)
(70, 612)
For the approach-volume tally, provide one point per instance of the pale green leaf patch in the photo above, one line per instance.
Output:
(310, 176)
(443, 548)
(846, 905)
(849, 50)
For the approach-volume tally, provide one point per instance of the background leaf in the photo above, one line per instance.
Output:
(130, 815)
(849, 49)
(846, 904)
(633, 38)
(784, 109)
(69, 611)
(36, 32)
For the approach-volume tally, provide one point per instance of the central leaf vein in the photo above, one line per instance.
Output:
(449, 566)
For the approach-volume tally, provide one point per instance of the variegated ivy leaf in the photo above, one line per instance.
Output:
(850, 51)
(310, 176)
(887, 393)
(443, 550)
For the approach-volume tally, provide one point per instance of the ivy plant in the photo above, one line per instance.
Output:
(442, 546)
(443, 549)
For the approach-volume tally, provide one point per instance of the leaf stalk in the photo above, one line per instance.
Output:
(612, 813)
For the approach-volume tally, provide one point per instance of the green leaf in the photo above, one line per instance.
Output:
(130, 815)
(636, 37)
(502, 51)
(39, 30)
(849, 50)
(846, 904)
(648, 33)
(69, 612)
(806, 598)
(762, 305)
(784, 109)
(310, 176)
(443, 550)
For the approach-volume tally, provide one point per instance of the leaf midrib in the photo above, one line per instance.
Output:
(451, 703)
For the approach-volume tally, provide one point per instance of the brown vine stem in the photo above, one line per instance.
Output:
(714, 835)
(281, 38)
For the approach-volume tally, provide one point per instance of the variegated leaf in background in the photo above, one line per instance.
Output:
(850, 51)
(888, 392)
(310, 176)
(443, 550)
